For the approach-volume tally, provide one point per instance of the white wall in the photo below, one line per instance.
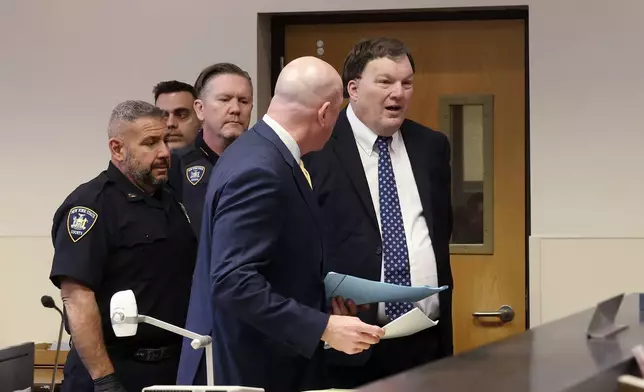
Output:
(64, 64)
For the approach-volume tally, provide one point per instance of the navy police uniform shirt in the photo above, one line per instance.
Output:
(189, 175)
(110, 236)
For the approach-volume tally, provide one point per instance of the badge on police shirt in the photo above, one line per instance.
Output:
(194, 174)
(80, 221)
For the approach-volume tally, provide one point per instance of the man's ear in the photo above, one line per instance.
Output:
(323, 113)
(198, 106)
(194, 109)
(352, 90)
(117, 149)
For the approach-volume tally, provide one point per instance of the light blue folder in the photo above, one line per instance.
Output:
(364, 291)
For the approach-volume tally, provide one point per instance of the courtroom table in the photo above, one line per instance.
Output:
(44, 359)
(42, 377)
(552, 357)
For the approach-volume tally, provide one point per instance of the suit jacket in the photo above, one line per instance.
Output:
(260, 262)
(189, 175)
(353, 235)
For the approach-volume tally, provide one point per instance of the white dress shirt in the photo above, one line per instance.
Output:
(285, 137)
(422, 261)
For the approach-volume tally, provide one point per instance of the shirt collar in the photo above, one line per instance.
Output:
(286, 137)
(204, 148)
(129, 189)
(365, 137)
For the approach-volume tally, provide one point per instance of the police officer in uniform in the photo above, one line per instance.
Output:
(224, 104)
(124, 230)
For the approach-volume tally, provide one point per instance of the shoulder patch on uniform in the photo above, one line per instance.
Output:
(80, 221)
(194, 174)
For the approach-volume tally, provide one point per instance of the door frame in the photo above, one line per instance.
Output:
(278, 23)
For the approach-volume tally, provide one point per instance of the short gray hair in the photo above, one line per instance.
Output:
(130, 111)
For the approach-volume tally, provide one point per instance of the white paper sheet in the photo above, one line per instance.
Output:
(408, 324)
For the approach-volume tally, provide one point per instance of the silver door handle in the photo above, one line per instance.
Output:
(505, 314)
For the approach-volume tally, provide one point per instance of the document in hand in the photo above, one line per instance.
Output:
(364, 291)
(408, 324)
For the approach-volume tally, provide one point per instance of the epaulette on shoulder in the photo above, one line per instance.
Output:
(183, 151)
(191, 156)
(83, 204)
(91, 189)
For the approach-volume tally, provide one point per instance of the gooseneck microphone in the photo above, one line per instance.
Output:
(48, 302)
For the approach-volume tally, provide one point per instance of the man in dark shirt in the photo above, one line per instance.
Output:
(224, 104)
(124, 230)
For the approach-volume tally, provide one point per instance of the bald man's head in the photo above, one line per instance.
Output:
(308, 96)
(308, 81)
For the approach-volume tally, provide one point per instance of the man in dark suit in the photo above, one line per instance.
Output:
(383, 184)
(261, 250)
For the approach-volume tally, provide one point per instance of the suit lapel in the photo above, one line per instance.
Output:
(307, 193)
(303, 185)
(419, 159)
(347, 152)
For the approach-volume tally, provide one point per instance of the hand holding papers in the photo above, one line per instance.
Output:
(364, 291)
(350, 335)
(408, 324)
(342, 307)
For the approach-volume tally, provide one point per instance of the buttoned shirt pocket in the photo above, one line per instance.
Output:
(141, 250)
(142, 235)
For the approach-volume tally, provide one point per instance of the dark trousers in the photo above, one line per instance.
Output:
(133, 374)
(389, 357)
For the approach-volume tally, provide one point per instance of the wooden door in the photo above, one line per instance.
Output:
(470, 84)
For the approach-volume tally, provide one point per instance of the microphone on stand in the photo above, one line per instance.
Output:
(48, 302)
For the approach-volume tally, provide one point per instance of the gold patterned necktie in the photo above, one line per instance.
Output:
(306, 173)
